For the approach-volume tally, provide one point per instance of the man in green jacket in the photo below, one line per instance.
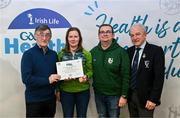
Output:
(110, 74)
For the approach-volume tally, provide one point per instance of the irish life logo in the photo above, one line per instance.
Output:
(20, 35)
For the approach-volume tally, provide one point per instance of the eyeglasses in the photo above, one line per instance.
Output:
(107, 32)
(47, 35)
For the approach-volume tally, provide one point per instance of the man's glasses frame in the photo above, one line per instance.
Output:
(105, 32)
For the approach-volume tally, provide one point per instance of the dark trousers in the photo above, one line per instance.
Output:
(135, 108)
(41, 109)
(78, 99)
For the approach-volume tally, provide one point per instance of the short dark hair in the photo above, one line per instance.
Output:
(105, 25)
(43, 27)
(67, 46)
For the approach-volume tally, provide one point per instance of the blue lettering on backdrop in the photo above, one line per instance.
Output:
(177, 27)
(160, 29)
(13, 46)
(30, 19)
(170, 70)
(59, 45)
(124, 27)
(27, 36)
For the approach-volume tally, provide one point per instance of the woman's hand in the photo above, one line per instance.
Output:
(83, 79)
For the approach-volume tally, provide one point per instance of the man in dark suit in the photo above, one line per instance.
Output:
(147, 74)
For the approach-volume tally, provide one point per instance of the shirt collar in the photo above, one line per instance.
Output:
(143, 45)
(44, 49)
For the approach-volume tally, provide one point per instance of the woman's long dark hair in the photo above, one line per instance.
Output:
(67, 46)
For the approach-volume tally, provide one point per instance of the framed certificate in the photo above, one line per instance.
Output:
(70, 69)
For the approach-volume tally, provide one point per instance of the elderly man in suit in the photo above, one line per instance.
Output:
(147, 74)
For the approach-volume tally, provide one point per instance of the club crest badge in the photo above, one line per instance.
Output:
(144, 55)
(110, 60)
(146, 63)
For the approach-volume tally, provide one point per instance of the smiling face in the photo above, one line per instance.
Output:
(42, 37)
(106, 34)
(73, 39)
(138, 35)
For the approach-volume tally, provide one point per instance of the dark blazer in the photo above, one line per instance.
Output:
(150, 75)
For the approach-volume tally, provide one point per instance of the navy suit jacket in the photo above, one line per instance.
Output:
(150, 74)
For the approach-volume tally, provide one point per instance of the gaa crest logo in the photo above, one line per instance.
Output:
(110, 60)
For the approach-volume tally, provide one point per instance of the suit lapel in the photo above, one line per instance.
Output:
(143, 57)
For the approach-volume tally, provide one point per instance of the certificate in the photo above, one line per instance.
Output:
(70, 69)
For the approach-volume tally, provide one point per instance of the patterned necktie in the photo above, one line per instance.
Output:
(134, 69)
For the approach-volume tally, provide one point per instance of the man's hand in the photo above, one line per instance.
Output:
(150, 105)
(54, 78)
(122, 101)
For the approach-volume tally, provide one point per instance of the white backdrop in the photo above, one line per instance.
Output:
(18, 19)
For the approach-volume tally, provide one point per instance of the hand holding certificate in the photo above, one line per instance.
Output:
(70, 69)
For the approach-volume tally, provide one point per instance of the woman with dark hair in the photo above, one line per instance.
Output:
(75, 91)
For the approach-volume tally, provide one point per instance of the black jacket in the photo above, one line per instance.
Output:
(150, 75)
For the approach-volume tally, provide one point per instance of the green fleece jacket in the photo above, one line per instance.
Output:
(75, 85)
(111, 72)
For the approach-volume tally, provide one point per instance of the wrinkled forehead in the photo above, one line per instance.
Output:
(136, 29)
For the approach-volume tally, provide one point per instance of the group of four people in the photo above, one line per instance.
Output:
(119, 76)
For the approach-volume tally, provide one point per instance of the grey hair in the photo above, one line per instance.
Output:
(43, 27)
(138, 25)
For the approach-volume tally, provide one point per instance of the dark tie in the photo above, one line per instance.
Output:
(134, 69)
